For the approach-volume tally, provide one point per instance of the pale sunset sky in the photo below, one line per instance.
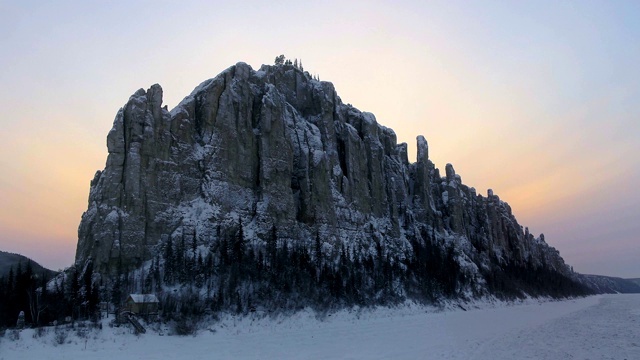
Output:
(537, 100)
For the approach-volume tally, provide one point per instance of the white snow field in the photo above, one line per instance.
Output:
(597, 327)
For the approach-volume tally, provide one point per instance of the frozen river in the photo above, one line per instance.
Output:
(597, 327)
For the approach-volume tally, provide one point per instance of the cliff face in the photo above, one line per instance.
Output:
(275, 150)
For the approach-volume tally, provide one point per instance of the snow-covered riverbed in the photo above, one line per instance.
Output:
(598, 327)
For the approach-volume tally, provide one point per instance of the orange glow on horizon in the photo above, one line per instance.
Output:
(533, 102)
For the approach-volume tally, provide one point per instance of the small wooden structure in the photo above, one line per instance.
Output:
(142, 304)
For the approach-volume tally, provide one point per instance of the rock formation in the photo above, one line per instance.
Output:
(276, 150)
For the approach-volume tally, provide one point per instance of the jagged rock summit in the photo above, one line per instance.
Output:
(276, 151)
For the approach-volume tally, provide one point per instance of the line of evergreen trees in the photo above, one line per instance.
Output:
(22, 290)
(233, 273)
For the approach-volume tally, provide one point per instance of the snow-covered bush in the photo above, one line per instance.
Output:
(14, 335)
(61, 336)
(185, 326)
(40, 332)
(82, 332)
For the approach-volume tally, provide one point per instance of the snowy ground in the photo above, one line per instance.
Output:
(598, 327)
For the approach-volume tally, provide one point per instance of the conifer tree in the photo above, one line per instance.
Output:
(180, 265)
(169, 263)
(272, 247)
(238, 244)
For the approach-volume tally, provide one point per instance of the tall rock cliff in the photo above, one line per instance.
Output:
(275, 151)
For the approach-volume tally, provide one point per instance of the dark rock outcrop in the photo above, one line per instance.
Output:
(276, 149)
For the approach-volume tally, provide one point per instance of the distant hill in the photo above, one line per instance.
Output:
(611, 285)
(9, 260)
(636, 281)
